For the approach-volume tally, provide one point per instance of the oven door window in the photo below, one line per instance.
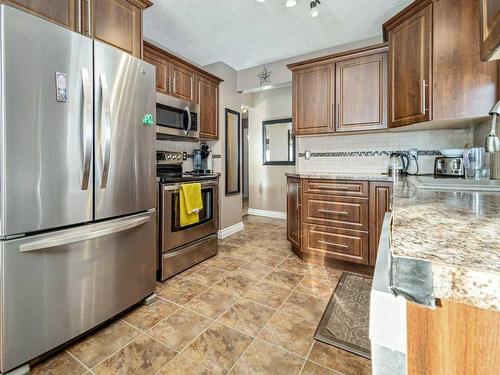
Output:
(206, 214)
(171, 117)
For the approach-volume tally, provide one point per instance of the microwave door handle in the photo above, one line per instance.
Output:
(187, 127)
(87, 127)
(106, 129)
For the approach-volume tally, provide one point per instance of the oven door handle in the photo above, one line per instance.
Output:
(176, 187)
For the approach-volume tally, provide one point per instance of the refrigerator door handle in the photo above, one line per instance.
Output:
(87, 127)
(61, 240)
(105, 129)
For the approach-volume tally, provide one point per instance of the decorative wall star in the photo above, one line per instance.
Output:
(264, 76)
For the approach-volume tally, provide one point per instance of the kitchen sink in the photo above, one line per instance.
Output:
(430, 182)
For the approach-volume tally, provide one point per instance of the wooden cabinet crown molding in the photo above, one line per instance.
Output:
(332, 58)
(152, 48)
(142, 4)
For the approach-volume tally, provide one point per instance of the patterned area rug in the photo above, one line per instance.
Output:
(345, 321)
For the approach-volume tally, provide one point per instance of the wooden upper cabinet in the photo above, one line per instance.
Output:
(183, 82)
(490, 29)
(313, 99)
(62, 12)
(208, 99)
(410, 69)
(435, 68)
(361, 93)
(115, 22)
(162, 69)
(118, 22)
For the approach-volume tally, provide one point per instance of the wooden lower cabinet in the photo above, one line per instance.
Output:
(380, 203)
(454, 338)
(293, 206)
(336, 220)
(335, 243)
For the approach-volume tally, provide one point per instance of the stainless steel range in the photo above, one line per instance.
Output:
(183, 247)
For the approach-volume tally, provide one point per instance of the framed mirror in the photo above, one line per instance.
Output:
(233, 141)
(278, 142)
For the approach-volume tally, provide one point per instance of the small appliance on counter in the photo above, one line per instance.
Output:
(449, 167)
(182, 247)
(398, 165)
(202, 160)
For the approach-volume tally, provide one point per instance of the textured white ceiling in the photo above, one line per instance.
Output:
(245, 33)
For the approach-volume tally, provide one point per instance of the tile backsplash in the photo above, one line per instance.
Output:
(186, 146)
(369, 153)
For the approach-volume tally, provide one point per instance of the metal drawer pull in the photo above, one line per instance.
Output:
(61, 240)
(335, 187)
(333, 212)
(333, 244)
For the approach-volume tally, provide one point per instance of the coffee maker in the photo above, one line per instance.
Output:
(202, 160)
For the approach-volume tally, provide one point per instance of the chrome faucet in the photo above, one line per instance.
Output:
(492, 144)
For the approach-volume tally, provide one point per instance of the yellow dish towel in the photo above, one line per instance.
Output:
(190, 204)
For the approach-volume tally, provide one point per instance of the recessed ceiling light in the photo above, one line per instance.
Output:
(291, 3)
(261, 1)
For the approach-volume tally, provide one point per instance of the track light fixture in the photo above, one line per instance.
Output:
(314, 8)
(313, 5)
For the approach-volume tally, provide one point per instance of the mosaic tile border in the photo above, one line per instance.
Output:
(340, 154)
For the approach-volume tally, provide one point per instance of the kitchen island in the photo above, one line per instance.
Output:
(440, 254)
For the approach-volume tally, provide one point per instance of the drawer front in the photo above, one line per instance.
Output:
(341, 244)
(342, 212)
(334, 187)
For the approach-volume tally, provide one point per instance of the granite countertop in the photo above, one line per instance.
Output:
(455, 235)
(341, 176)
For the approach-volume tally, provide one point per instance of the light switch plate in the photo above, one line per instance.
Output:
(307, 154)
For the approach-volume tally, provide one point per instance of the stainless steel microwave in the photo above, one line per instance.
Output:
(176, 117)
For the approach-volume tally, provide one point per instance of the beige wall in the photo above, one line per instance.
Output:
(230, 206)
(267, 183)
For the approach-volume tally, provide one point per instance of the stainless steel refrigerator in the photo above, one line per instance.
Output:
(77, 185)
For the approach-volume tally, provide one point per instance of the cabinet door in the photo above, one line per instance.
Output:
(208, 99)
(293, 211)
(313, 100)
(490, 29)
(183, 82)
(361, 93)
(116, 22)
(410, 67)
(380, 203)
(62, 12)
(162, 69)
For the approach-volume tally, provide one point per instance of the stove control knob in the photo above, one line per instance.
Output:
(169, 156)
(179, 157)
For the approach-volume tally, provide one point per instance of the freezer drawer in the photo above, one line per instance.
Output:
(56, 286)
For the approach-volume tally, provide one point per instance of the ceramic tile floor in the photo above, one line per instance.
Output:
(252, 309)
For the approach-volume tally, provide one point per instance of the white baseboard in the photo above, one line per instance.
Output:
(226, 232)
(273, 214)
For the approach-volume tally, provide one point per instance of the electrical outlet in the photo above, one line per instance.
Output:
(413, 153)
(308, 155)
